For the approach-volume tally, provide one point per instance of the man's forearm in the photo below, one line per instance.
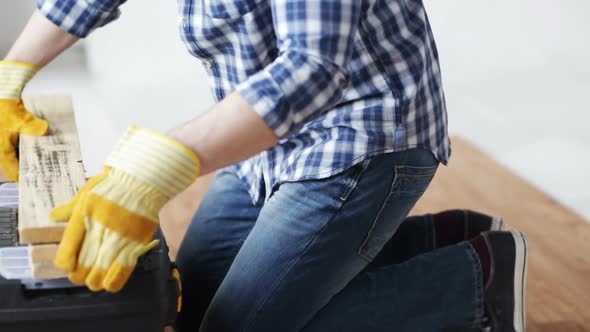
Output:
(40, 42)
(229, 133)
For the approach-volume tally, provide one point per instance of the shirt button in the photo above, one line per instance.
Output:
(208, 63)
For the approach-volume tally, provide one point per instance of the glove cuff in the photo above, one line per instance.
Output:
(155, 159)
(13, 78)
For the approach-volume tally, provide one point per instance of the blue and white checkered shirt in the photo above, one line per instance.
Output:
(337, 81)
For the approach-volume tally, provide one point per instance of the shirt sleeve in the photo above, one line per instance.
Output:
(315, 40)
(80, 17)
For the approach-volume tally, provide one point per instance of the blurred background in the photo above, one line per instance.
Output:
(516, 76)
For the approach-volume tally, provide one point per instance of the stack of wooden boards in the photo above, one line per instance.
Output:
(51, 172)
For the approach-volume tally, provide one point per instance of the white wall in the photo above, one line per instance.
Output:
(142, 70)
(481, 37)
(517, 80)
(13, 15)
(525, 61)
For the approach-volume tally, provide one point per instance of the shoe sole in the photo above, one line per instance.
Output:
(520, 281)
(497, 224)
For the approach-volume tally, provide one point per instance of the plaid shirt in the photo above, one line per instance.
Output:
(337, 81)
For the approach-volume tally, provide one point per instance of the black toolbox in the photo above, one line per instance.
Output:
(148, 302)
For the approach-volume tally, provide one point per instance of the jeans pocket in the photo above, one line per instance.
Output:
(412, 180)
(408, 186)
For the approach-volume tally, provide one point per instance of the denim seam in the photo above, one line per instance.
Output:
(374, 224)
(293, 262)
(478, 285)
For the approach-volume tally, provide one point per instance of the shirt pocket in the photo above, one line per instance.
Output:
(229, 9)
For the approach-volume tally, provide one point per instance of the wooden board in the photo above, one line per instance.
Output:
(42, 253)
(559, 239)
(51, 170)
(45, 271)
(41, 258)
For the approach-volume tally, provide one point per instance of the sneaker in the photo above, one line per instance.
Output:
(505, 299)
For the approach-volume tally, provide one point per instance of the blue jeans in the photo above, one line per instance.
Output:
(320, 255)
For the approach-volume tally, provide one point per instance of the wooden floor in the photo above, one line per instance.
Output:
(559, 240)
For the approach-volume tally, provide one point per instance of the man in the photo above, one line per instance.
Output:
(330, 125)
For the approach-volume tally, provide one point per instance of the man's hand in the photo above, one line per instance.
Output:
(14, 118)
(113, 218)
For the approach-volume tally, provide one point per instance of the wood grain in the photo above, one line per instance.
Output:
(42, 253)
(51, 170)
(559, 239)
(41, 258)
(44, 271)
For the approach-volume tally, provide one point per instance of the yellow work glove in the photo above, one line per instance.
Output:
(14, 118)
(113, 218)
